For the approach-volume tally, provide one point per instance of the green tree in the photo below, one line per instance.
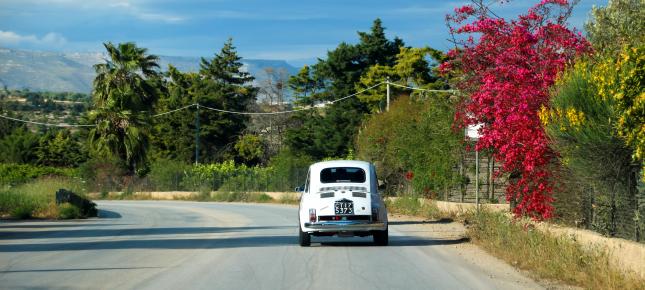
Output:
(411, 68)
(174, 134)
(332, 133)
(619, 23)
(60, 148)
(305, 85)
(125, 90)
(19, 146)
(220, 84)
(250, 148)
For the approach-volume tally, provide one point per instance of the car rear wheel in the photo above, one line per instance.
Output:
(304, 238)
(381, 238)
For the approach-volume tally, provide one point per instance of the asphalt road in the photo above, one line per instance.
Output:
(190, 245)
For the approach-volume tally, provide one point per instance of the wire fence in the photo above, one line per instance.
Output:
(617, 211)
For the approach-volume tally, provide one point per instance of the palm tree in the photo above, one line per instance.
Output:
(123, 95)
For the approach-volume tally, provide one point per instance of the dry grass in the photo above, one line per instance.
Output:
(547, 256)
(410, 205)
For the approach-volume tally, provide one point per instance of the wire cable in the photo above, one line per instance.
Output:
(236, 112)
(288, 111)
(175, 110)
(45, 124)
(425, 90)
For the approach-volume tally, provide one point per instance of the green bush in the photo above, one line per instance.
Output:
(581, 123)
(36, 198)
(23, 211)
(69, 211)
(168, 174)
(413, 145)
(14, 174)
(289, 170)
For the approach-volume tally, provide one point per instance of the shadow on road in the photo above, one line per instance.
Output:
(76, 269)
(439, 221)
(398, 242)
(213, 243)
(102, 232)
(108, 214)
(55, 224)
(173, 244)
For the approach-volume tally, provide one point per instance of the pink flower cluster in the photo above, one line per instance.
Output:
(507, 71)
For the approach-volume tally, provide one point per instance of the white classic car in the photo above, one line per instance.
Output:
(341, 198)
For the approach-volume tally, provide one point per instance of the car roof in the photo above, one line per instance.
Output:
(340, 163)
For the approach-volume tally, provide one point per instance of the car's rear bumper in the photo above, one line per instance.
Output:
(345, 226)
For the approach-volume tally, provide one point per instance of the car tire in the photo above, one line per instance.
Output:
(304, 238)
(381, 238)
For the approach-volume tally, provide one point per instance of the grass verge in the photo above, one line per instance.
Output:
(412, 205)
(545, 255)
(37, 199)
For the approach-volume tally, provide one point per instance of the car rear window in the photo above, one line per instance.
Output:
(342, 174)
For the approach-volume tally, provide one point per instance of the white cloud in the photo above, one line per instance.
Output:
(10, 38)
(134, 8)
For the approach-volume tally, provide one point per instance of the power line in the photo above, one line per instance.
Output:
(235, 112)
(166, 113)
(425, 90)
(45, 124)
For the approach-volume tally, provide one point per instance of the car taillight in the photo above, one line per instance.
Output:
(374, 213)
(312, 215)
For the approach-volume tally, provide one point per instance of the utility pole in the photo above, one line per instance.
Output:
(197, 134)
(387, 81)
(477, 179)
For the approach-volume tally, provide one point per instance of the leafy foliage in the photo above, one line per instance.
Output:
(124, 93)
(596, 116)
(220, 84)
(507, 72)
(19, 146)
(414, 139)
(331, 134)
(250, 148)
(60, 148)
(616, 25)
(14, 174)
(412, 68)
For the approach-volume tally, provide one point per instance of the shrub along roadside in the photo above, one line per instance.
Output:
(14, 174)
(37, 199)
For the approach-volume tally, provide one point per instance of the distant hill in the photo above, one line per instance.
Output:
(73, 72)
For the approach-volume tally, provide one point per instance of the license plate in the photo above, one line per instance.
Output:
(344, 207)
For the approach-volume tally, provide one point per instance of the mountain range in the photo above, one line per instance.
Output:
(73, 72)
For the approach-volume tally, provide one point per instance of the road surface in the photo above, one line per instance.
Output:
(191, 245)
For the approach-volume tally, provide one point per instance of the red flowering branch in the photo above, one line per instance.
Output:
(507, 68)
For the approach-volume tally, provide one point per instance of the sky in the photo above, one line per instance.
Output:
(296, 31)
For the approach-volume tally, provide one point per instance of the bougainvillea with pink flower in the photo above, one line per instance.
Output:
(506, 67)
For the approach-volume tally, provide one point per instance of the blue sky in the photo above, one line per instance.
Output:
(296, 31)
